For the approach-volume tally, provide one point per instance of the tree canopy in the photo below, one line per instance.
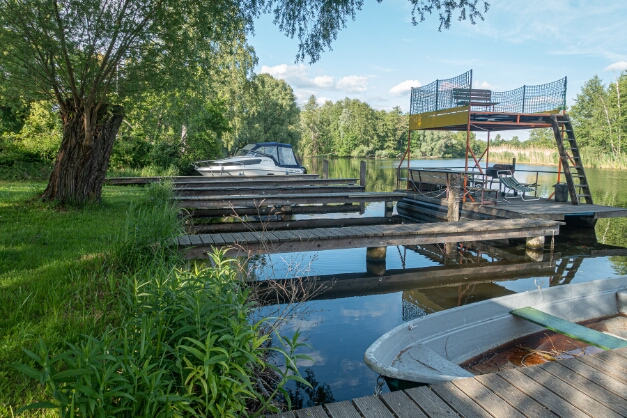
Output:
(92, 55)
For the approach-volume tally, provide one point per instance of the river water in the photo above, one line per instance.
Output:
(339, 326)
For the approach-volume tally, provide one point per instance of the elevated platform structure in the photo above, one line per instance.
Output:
(454, 105)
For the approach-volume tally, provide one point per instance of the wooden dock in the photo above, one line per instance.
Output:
(257, 200)
(120, 181)
(266, 242)
(587, 386)
(429, 209)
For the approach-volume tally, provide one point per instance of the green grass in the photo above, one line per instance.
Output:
(53, 283)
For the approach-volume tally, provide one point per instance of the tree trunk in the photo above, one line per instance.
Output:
(81, 165)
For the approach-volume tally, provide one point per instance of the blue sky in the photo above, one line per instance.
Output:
(377, 57)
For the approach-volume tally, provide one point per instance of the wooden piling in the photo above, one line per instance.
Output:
(362, 174)
(454, 197)
(325, 169)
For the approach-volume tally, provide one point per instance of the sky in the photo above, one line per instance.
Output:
(380, 55)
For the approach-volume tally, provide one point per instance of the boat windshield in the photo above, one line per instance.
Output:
(245, 151)
(282, 155)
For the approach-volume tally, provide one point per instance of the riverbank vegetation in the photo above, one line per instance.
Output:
(156, 139)
(100, 313)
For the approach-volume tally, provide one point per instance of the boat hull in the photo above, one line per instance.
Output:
(429, 349)
(248, 172)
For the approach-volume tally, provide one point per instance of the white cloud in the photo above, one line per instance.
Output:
(404, 87)
(352, 84)
(289, 73)
(617, 66)
(484, 85)
(324, 81)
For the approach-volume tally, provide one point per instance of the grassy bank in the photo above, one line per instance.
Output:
(592, 157)
(115, 323)
(52, 285)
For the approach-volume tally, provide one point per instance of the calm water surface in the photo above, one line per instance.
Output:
(340, 326)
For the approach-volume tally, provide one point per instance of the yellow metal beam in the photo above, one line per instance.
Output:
(439, 118)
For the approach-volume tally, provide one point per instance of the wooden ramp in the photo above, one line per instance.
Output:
(266, 242)
(587, 386)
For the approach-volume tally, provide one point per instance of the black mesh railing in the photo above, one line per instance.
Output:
(438, 95)
(455, 92)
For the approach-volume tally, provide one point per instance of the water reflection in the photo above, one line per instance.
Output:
(365, 302)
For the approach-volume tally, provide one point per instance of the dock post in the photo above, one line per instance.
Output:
(375, 260)
(362, 174)
(535, 243)
(389, 209)
(325, 169)
(454, 193)
(451, 252)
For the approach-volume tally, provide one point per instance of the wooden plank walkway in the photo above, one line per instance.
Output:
(266, 181)
(250, 226)
(266, 242)
(207, 202)
(182, 179)
(265, 190)
(514, 209)
(273, 211)
(588, 386)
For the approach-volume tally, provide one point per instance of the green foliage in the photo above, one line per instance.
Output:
(177, 342)
(350, 127)
(186, 347)
(271, 113)
(598, 115)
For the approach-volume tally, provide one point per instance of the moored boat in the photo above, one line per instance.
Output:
(429, 349)
(262, 159)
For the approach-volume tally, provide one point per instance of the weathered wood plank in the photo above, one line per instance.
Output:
(195, 240)
(613, 359)
(459, 401)
(589, 387)
(603, 378)
(313, 412)
(372, 407)
(577, 398)
(523, 403)
(250, 237)
(184, 240)
(608, 368)
(344, 409)
(570, 329)
(206, 239)
(486, 398)
(241, 240)
(402, 405)
(430, 403)
(228, 239)
(542, 395)
(289, 414)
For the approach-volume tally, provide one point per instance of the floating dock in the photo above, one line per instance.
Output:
(586, 386)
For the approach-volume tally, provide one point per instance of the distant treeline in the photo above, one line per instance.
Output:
(169, 132)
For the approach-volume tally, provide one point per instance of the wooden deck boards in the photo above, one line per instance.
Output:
(365, 236)
(515, 209)
(569, 388)
(258, 200)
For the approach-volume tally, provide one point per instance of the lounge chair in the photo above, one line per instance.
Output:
(509, 182)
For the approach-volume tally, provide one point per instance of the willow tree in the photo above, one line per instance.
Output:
(88, 55)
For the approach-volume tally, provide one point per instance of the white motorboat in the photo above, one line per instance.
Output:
(262, 159)
(431, 348)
